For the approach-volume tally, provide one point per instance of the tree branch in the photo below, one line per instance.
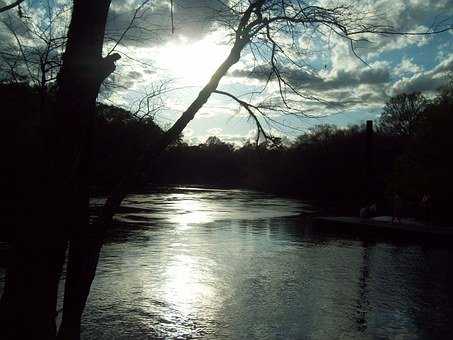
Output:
(10, 6)
(248, 107)
(129, 26)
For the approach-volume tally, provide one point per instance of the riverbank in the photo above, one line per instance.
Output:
(382, 225)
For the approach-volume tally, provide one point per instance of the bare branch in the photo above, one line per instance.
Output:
(129, 26)
(10, 6)
(249, 107)
(172, 17)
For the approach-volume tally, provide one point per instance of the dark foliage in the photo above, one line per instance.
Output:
(119, 138)
(326, 164)
(402, 113)
(425, 166)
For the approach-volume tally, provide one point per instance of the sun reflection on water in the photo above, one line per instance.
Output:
(182, 296)
(190, 211)
(185, 285)
(247, 275)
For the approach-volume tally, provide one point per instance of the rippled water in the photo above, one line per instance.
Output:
(235, 264)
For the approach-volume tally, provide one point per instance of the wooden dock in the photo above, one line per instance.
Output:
(381, 225)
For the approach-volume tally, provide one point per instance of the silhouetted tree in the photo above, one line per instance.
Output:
(402, 114)
(265, 24)
(424, 165)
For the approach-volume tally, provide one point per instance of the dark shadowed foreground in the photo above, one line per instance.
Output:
(204, 263)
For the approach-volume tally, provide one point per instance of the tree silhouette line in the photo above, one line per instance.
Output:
(326, 164)
(57, 147)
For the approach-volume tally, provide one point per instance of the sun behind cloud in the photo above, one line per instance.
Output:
(192, 62)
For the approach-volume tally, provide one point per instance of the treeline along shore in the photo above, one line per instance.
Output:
(411, 151)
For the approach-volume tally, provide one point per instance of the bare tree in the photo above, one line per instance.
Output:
(39, 42)
(269, 28)
(260, 24)
(402, 114)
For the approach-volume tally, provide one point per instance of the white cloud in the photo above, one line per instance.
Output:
(342, 79)
(214, 131)
(407, 67)
(426, 81)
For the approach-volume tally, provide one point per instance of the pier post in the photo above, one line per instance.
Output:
(369, 161)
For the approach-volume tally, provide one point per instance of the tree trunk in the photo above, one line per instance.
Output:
(59, 200)
(79, 80)
(85, 252)
(82, 74)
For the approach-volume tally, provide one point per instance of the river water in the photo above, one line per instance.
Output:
(235, 264)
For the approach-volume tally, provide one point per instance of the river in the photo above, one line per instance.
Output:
(189, 262)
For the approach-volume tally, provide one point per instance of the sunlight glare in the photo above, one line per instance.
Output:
(184, 285)
(193, 62)
(190, 211)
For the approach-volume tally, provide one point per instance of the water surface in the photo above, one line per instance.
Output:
(235, 264)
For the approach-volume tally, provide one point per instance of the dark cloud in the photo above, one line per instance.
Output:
(192, 18)
(340, 89)
(135, 75)
(340, 79)
(11, 57)
(11, 22)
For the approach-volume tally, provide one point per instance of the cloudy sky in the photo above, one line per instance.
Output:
(337, 86)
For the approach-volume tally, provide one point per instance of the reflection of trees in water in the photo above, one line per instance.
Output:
(418, 290)
(434, 287)
(363, 302)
